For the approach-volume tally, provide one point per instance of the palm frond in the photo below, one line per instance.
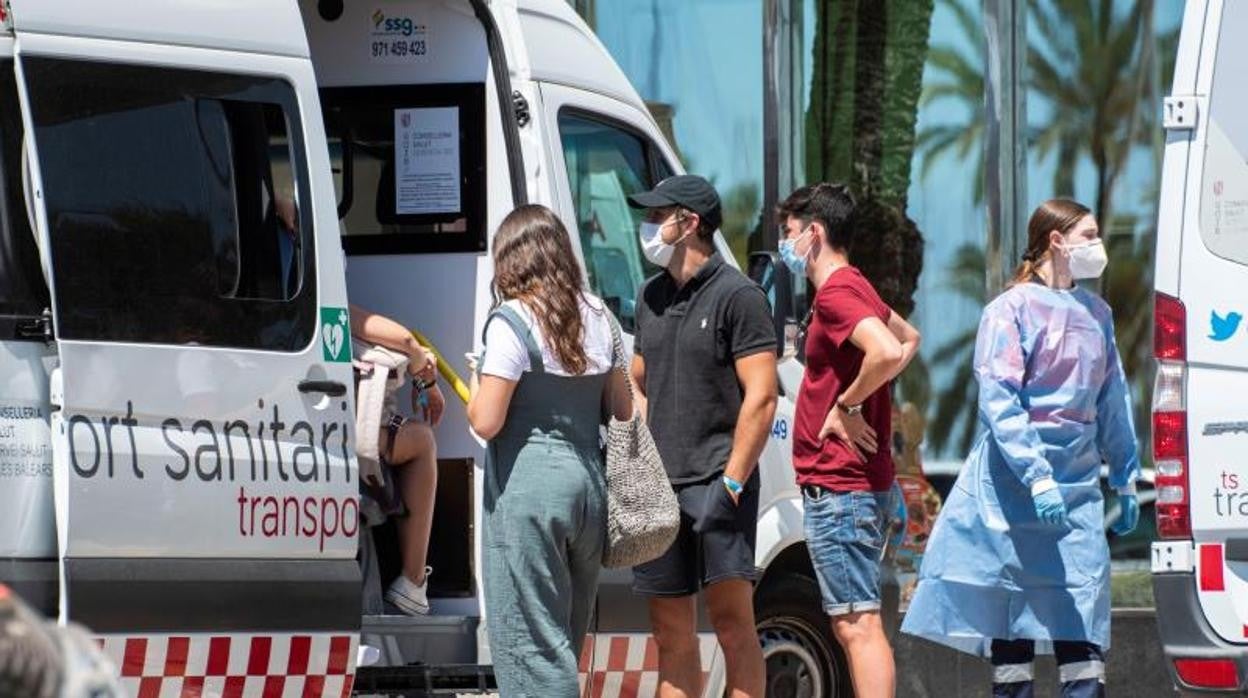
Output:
(955, 64)
(968, 20)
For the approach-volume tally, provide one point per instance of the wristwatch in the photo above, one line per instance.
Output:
(850, 410)
(422, 385)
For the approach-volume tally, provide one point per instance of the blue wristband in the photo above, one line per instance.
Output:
(733, 486)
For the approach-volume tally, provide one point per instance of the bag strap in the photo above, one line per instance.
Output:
(617, 357)
(523, 333)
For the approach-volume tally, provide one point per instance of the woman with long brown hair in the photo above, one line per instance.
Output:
(1017, 563)
(542, 389)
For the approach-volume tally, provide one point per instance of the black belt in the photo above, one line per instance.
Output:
(813, 491)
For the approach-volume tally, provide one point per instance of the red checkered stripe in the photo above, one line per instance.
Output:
(627, 665)
(234, 666)
(1223, 594)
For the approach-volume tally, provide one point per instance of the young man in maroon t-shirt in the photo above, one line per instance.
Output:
(855, 346)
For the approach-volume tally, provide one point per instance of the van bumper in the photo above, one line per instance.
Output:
(1185, 634)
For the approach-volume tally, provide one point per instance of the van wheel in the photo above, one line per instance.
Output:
(803, 659)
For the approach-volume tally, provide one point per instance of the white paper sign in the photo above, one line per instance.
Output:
(426, 158)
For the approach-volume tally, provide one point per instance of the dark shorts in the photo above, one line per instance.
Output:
(715, 543)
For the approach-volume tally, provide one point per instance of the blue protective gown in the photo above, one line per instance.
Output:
(1054, 399)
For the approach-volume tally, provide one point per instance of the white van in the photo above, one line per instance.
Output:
(176, 461)
(1200, 417)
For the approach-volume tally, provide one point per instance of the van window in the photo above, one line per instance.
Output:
(173, 200)
(606, 163)
(23, 292)
(1224, 192)
(409, 166)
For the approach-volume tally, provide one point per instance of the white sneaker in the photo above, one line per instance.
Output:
(408, 596)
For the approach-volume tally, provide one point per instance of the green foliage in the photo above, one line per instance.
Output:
(960, 78)
(866, 85)
(1098, 70)
(954, 420)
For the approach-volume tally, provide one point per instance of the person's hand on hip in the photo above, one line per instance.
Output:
(851, 429)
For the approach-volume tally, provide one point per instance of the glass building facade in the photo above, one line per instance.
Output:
(951, 119)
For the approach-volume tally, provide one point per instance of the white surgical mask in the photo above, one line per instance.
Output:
(658, 252)
(1088, 261)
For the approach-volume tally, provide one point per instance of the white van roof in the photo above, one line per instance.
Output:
(563, 49)
(263, 26)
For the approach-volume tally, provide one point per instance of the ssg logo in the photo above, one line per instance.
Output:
(394, 26)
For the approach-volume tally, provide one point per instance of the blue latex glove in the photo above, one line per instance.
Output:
(1126, 523)
(1050, 508)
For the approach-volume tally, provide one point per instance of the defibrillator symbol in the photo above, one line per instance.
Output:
(335, 334)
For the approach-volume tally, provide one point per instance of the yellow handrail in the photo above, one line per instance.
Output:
(444, 367)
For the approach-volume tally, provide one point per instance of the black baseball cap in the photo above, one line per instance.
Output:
(687, 191)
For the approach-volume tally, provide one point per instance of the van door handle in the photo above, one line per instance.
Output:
(330, 388)
(1237, 549)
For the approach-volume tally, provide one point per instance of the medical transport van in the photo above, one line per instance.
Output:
(1200, 415)
(190, 195)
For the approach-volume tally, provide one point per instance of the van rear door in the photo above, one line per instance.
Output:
(27, 527)
(204, 475)
(1213, 274)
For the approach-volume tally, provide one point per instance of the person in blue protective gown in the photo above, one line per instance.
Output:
(1018, 562)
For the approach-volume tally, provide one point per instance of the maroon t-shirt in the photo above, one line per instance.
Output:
(832, 364)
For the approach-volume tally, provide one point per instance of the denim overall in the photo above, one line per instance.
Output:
(545, 526)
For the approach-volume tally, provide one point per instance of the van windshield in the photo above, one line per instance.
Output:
(23, 291)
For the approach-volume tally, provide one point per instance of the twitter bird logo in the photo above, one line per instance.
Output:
(1223, 328)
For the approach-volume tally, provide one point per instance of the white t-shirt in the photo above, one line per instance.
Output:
(507, 357)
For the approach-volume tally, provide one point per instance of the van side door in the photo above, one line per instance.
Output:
(202, 426)
(1213, 270)
(27, 525)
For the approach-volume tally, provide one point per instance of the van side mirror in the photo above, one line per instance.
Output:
(767, 271)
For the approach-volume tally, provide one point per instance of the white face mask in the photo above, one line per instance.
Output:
(1088, 261)
(658, 252)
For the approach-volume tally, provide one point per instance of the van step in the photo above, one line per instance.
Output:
(420, 680)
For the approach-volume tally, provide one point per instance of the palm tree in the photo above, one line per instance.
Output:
(1128, 290)
(960, 78)
(1095, 69)
(954, 421)
(865, 87)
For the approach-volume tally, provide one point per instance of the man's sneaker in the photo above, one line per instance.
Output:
(408, 596)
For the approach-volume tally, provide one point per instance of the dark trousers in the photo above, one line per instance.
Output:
(1080, 668)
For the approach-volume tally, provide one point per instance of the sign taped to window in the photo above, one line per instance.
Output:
(426, 161)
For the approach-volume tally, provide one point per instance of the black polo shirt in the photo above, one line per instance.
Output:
(690, 338)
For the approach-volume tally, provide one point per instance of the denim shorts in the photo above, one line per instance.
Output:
(845, 536)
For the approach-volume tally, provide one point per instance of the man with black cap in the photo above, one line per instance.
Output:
(705, 363)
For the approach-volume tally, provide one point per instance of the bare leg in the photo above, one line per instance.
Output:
(674, 621)
(870, 656)
(415, 457)
(731, 607)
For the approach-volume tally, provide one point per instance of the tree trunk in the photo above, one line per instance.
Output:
(867, 78)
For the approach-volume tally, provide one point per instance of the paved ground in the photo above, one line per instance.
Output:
(1135, 667)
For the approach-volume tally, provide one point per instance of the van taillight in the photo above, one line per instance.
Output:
(1169, 329)
(1170, 419)
(1208, 673)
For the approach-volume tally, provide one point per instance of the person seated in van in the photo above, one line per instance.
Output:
(407, 446)
(1017, 563)
(547, 380)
